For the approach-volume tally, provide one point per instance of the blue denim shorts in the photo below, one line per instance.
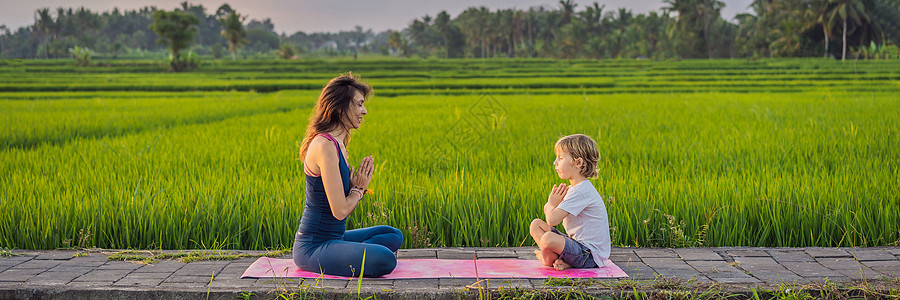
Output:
(576, 254)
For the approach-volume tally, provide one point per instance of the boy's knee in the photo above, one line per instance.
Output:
(546, 238)
(536, 223)
(553, 241)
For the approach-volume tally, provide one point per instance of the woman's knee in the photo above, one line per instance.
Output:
(395, 239)
(395, 231)
(381, 262)
(399, 235)
(382, 229)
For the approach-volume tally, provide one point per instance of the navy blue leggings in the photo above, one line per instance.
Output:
(344, 257)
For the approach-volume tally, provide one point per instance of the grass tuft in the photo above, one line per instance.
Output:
(147, 257)
(6, 252)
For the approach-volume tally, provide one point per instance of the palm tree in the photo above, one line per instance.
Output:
(397, 42)
(746, 36)
(417, 33)
(475, 26)
(818, 16)
(845, 10)
(358, 37)
(788, 41)
(570, 39)
(682, 29)
(490, 36)
(768, 14)
(4, 31)
(517, 31)
(468, 26)
(234, 32)
(444, 32)
(224, 11)
(528, 35)
(43, 24)
(709, 11)
(568, 8)
(654, 25)
(886, 19)
(592, 16)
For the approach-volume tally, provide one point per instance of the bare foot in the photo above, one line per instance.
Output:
(559, 264)
(547, 257)
(539, 256)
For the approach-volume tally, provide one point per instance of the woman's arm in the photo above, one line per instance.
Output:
(325, 156)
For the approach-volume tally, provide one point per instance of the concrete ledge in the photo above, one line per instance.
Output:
(66, 274)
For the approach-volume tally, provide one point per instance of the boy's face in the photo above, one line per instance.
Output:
(565, 166)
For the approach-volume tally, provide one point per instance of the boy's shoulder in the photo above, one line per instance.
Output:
(593, 194)
(586, 187)
(584, 190)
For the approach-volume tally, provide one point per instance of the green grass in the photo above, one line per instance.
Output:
(402, 77)
(148, 257)
(4, 252)
(813, 164)
(66, 119)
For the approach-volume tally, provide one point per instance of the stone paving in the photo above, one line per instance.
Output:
(61, 274)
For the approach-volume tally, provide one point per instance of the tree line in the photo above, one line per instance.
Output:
(681, 29)
(115, 33)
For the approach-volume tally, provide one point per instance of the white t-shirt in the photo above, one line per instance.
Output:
(587, 221)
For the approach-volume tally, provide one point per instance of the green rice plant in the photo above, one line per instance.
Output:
(442, 76)
(132, 257)
(147, 257)
(32, 123)
(246, 295)
(729, 162)
(6, 252)
(557, 281)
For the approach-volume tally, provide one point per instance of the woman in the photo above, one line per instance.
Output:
(334, 189)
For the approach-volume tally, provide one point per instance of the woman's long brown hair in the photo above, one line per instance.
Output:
(331, 108)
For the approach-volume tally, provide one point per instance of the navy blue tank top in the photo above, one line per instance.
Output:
(317, 223)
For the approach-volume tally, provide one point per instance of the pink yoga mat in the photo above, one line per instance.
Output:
(265, 267)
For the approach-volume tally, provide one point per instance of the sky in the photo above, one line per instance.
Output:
(290, 16)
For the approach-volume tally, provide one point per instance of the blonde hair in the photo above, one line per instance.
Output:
(583, 147)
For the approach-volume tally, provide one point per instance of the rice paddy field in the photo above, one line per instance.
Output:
(693, 153)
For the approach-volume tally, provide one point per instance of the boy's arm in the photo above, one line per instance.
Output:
(548, 210)
(552, 212)
(557, 194)
(555, 215)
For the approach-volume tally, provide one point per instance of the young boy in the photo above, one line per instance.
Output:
(578, 206)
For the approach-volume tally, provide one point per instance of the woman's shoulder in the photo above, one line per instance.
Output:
(321, 144)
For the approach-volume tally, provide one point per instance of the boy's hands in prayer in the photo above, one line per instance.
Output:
(557, 194)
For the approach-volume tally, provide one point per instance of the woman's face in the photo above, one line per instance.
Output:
(357, 110)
